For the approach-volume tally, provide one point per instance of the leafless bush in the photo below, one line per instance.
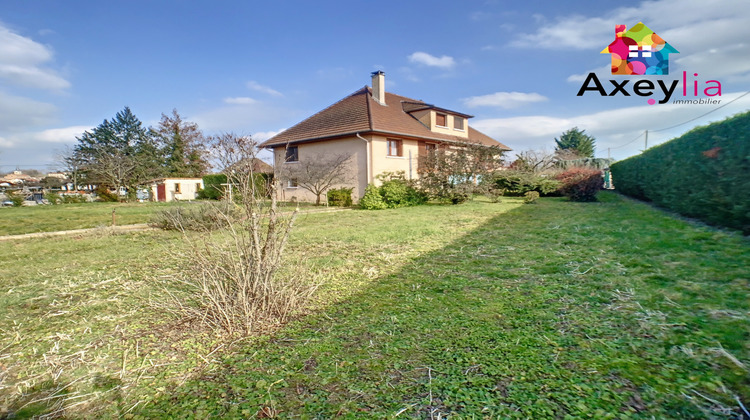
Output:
(200, 218)
(235, 278)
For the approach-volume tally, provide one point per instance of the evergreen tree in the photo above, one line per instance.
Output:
(183, 145)
(577, 143)
(119, 152)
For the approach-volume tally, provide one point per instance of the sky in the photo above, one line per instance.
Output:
(258, 67)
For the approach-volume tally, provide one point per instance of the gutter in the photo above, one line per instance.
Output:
(367, 161)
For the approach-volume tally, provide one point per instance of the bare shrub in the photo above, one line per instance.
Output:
(236, 280)
(199, 218)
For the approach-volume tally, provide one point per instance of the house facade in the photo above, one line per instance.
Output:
(174, 189)
(378, 130)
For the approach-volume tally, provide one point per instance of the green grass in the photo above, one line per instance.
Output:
(49, 218)
(557, 309)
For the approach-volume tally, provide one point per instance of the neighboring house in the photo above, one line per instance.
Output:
(172, 189)
(381, 131)
(19, 178)
(258, 167)
(639, 51)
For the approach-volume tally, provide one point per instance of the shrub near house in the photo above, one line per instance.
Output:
(580, 184)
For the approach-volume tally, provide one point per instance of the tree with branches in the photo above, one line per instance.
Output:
(319, 172)
(183, 146)
(119, 152)
(575, 144)
(452, 173)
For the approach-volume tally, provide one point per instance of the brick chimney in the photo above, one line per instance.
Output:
(378, 86)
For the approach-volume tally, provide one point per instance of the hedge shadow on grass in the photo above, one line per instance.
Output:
(544, 311)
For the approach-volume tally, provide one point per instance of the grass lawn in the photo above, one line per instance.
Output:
(49, 218)
(558, 309)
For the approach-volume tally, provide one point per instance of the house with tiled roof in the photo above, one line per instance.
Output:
(381, 131)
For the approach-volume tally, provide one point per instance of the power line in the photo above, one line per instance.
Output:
(682, 123)
(631, 141)
(701, 116)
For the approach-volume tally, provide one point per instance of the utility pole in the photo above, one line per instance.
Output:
(646, 141)
(609, 156)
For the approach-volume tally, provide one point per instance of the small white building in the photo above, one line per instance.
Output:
(175, 189)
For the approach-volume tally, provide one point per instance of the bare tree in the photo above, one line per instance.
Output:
(535, 160)
(183, 146)
(114, 168)
(71, 164)
(234, 281)
(319, 172)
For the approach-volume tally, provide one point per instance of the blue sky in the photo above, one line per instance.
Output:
(259, 67)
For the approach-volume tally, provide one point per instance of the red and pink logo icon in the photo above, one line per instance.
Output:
(639, 51)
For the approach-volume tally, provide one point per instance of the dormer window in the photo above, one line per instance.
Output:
(458, 123)
(441, 120)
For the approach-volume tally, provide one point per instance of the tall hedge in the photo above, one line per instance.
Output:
(705, 174)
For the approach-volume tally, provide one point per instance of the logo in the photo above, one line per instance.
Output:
(639, 51)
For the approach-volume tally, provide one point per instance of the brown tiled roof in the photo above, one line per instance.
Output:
(361, 113)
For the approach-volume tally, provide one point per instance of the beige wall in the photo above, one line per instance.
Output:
(450, 128)
(188, 189)
(352, 146)
(381, 162)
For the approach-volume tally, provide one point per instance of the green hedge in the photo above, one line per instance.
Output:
(212, 188)
(340, 197)
(705, 174)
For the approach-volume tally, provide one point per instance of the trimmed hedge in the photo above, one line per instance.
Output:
(705, 174)
(340, 197)
(518, 183)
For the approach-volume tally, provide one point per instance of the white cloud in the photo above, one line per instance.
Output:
(242, 100)
(505, 100)
(62, 135)
(18, 113)
(265, 135)
(612, 128)
(22, 60)
(711, 36)
(264, 89)
(420, 57)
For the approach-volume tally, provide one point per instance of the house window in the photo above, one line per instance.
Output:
(430, 147)
(292, 183)
(292, 154)
(395, 148)
(197, 186)
(440, 120)
(458, 123)
(177, 187)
